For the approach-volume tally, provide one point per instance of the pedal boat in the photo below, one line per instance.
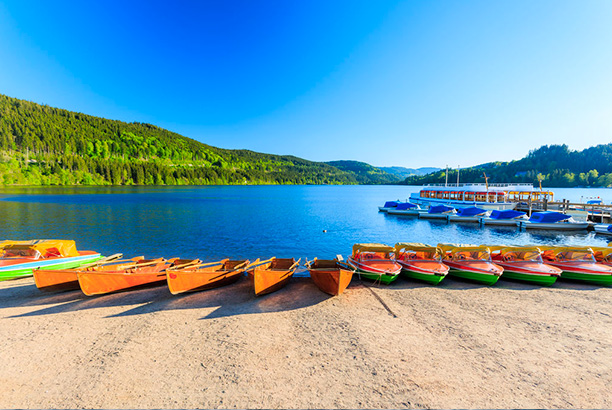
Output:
(577, 263)
(421, 262)
(554, 221)
(471, 262)
(271, 275)
(407, 209)
(438, 212)
(375, 261)
(141, 273)
(603, 254)
(470, 214)
(331, 276)
(192, 276)
(524, 263)
(19, 258)
(508, 217)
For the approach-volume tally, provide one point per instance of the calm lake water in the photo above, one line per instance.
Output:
(213, 222)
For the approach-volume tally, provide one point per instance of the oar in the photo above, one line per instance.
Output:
(184, 265)
(259, 263)
(295, 264)
(110, 258)
(205, 264)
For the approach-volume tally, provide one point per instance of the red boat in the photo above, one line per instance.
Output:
(524, 263)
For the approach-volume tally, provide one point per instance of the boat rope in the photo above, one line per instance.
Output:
(382, 302)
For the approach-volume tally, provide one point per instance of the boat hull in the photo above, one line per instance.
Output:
(425, 215)
(602, 229)
(406, 212)
(557, 226)
(15, 271)
(537, 278)
(331, 281)
(471, 219)
(499, 222)
(530, 271)
(597, 279)
(383, 271)
(194, 281)
(464, 271)
(102, 282)
(426, 271)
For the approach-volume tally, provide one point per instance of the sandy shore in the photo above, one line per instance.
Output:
(406, 345)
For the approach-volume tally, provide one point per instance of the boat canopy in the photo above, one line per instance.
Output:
(568, 253)
(405, 205)
(471, 211)
(609, 230)
(467, 252)
(548, 217)
(440, 209)
(42, 247)
(506, 214)
(372, 247)
(391, 204)
(404, 247)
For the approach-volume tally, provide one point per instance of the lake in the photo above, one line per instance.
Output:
(214, 222)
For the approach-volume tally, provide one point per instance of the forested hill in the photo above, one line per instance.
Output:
(365, 173)
(554, 165)
(41, 145)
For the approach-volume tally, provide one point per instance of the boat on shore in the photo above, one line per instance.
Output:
(196, 276)
(438, 212)
(66, 279)
(469, 214)
(577, 263)
(508, 217)
(144, 272)
(471, 262)
(406, 208)
(375, 261)
(524, 263)
(487, 196)
(554, 221)
(421, 262)
(273, 274)
(331, 276)
(19, 258)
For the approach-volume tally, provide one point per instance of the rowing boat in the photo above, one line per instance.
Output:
(471, 262)
(374, 261)
(524, 263)
(66, 279)
(19, 258)
(331, 276)
(195, 276)
(422, 262)
(143, 272)
(271, 275)
(577, 263)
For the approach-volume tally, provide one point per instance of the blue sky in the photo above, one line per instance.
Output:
(408, 83)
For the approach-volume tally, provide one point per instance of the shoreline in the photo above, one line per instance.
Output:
(455, 345)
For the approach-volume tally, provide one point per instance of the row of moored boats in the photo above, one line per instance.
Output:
(57, 265)
(508, 217)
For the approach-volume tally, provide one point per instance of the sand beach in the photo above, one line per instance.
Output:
(458, 345)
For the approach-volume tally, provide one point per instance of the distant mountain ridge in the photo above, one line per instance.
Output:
(365, 172)
(554, 165)
(403, 172)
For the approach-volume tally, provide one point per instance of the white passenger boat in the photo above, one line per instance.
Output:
(487, 196)
(469, 214)
(438, 212)
(603, 229)
(553, 220)
(406, 208)
(508, 217)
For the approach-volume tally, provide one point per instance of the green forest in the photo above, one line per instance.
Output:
(42, 145)
(553, 165)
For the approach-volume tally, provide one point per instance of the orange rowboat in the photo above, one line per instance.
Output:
(203, 276)
(66, 279)
(273, 274)
(144, 272)
(331, 276)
